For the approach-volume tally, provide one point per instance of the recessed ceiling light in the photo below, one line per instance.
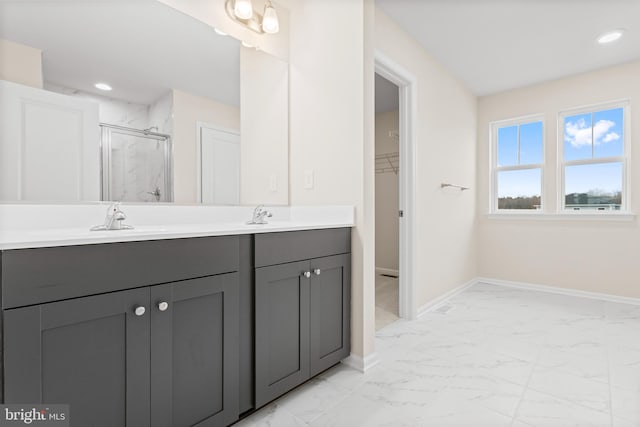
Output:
(220, 32)
(103, 86)
(610, 36)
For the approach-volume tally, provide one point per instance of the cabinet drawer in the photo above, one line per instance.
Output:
(290, 246)
(34, 276)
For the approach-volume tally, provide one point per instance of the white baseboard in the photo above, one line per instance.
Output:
(559, 290)
(437, 302)
(380, 270)
(362, 364)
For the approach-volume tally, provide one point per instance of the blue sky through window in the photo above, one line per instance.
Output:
(600, 178)
(508, 146)
(519, 183)
(603, 129)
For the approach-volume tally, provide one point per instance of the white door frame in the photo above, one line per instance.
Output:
(199, 126)
(407, 83)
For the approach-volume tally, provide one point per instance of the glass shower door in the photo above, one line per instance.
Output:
(136, 165)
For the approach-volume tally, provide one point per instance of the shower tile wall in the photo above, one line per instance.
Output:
(160, 114)
(137, 168)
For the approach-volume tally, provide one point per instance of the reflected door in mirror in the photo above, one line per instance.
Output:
(219, 153)
(49, 146)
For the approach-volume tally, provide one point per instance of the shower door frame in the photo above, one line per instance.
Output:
(105, 158)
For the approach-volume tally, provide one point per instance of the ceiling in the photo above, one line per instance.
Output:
(142, 48)
(496, 45)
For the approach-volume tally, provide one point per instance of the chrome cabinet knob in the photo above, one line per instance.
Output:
(162, 306)
(307, 274)
(316, 271)
(139, 310)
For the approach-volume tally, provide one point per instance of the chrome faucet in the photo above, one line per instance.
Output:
(114, 220)
(259, 215)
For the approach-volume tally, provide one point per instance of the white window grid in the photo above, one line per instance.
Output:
(495, 169)
(623, 159)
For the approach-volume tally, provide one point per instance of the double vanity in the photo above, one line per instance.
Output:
(174, 324)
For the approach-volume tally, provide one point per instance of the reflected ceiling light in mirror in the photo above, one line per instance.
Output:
(220, 32)
(238, 10)
(610, 36)
(103, 86)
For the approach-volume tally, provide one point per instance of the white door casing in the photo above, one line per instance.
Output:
(408, 85)
(218, 165)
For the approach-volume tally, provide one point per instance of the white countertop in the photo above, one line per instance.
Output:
(153, 223)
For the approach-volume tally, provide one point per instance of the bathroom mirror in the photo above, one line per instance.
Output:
(138, 102)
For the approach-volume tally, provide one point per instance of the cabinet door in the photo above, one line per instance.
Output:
(194, 352)
(91, 353)
(329, 329)
(281, 329)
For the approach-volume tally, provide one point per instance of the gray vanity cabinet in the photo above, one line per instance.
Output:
(194, 352)
(152, 352)
(302, 317)
(89, 352)
(329, 312)
(163, 355)
(281, 329)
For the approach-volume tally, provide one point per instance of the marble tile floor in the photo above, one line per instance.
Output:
(498, 356)
(386, 300)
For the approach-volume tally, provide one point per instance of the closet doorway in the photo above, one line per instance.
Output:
(387, 166)
(396, 107)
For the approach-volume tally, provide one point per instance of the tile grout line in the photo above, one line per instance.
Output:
(526, 387)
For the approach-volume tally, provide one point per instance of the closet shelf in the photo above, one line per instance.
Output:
(388, 162)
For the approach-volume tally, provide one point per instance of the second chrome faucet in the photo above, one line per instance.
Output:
(259, 215)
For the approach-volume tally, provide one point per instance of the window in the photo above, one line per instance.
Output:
(593, 158)
(517, 161)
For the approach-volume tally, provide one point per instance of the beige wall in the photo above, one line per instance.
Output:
(20, 64)
(264, 134)
(187, 111)
(445, 152)
(386, 195)
(597, 256)
(330, 85)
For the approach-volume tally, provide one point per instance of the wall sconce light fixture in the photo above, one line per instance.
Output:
(242, 12)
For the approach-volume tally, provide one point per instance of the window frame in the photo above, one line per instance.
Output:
(494, 169)
(624, 158)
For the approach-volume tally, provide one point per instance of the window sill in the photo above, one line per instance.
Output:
(569, 216)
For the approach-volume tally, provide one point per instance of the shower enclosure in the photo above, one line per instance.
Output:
(136, 165)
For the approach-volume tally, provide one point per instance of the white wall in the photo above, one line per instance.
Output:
(187, 111)
(20, 64)
(264, 124)
(328, 128)
(445, 152)
(386, 195)
(597, 256)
